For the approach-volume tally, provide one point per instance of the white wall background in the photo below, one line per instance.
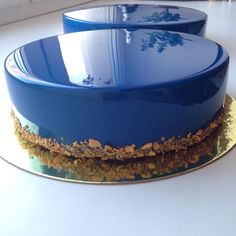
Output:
(13, 10)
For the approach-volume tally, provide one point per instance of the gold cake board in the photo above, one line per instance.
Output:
(39, 161)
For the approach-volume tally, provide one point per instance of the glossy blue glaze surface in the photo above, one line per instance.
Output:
(134, 16)
(98, 84)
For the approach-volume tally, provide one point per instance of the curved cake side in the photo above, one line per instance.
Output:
(136, 16)
(144, 106)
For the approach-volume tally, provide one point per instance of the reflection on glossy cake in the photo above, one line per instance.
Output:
(97, 94)
(135, 16)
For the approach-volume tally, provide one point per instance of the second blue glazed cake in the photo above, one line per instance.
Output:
(97, 94)
(136, 16)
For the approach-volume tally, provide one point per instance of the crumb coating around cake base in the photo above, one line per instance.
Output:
(93, 148)
(115, 171)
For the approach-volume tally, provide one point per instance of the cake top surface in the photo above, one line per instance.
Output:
(137, 14)
(115, 59)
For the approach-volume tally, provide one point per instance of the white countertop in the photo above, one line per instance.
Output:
(199, 203)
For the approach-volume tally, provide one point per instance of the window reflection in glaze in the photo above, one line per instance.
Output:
(106, 59)
(131, 13)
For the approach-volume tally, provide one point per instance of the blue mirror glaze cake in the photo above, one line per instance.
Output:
(117, 94)
(134, 16)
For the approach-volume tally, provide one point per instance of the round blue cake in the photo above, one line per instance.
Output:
(97, 94)
(135, 16)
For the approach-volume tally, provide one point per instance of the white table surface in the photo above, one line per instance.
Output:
(200, 203)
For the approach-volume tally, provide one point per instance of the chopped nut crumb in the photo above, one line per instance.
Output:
(93, 143)
(106, 171)
(93, 149)
(146, 146)
(129, 149)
